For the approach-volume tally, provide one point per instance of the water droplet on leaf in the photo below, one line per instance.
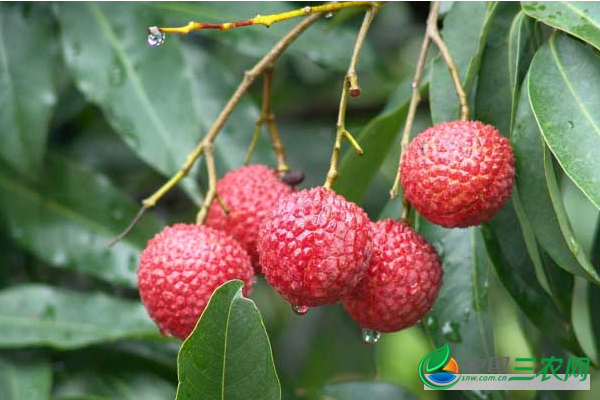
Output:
(370, 336)
(450, 331)
(329, 15)
(300, 310)
(155, 36)
(431, 323)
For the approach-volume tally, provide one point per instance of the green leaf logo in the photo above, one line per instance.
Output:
(437, 358)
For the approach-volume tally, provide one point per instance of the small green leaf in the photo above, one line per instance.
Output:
(465, 30)
(564, 92)
(539, 194)
(38, 315)
(579, 18)
(145, 93)
(69, 215)
(365, 390)
(437, 358)
(25, 376)
(228, 355)
(28, 72)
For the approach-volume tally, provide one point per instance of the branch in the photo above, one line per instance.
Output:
(266, 20)
(249, 77)
(267, 116)
(350, 86)
(431, 34)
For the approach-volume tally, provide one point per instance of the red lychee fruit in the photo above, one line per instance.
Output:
(179, 270)
(249, 192)
(401, 283)
(458, 174)
(314, 247)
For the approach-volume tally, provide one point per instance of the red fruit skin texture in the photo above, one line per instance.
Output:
(314, 247)
(402, 282)
(249, 192)
(179, 270)
(458, 174)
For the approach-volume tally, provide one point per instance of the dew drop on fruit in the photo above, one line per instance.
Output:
(300, 310)
(155, 36)
(370, 336)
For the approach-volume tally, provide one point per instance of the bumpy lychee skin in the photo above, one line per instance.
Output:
(314, 247)
(249, 192)
(458, 174)
(179, 270)
(401, 283)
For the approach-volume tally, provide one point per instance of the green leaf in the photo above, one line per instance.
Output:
(28, 69)
(255, 41)
(365, 390)
(579, 18)
(508, 52)
(228, 355)
(539, 193)
(376, 140)
(564, 92)
(465, 29)
(105, 385)
(504, 240)
(69, 216)
(460, 315)
(145, 93)
(38, 315)
(437, 358)
(25, 376)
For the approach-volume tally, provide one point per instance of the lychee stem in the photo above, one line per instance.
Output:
(212, 184)
(431, 34)
(249, 77)
(351, 87)
(267, 20)
(267, 116)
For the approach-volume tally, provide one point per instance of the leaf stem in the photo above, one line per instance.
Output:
(431, 34)
(351, 87)
(267, 20)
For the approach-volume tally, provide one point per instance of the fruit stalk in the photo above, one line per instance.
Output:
(431, 34)
(267, 20)
(351, 87)
(212, 184)
(268, 117)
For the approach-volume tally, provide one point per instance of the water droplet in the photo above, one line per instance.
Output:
(329, 15)
(155, 36)
(300, 310)
(307, 9)
(370, 336)
(450, 331)
(571, 124)
(116, 75)
(431, 323)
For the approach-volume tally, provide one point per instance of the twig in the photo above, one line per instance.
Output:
(267, 20)
(267, 116)
(350, 86)
(249, 77)
(431, 34)
(212, 184)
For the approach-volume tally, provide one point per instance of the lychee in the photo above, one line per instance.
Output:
(401, 283)
(249, 193)
(314, 247)
(458, 174)
(179, 270)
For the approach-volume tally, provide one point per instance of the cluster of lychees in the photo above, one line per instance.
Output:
(315, 247)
